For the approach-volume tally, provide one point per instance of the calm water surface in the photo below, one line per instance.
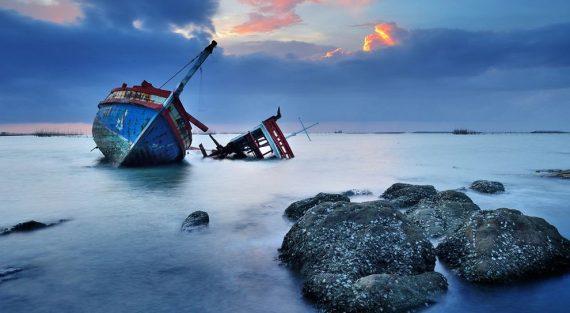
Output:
(122, 251)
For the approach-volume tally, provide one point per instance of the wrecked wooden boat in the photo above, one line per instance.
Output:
(144, 125)
(264, 141)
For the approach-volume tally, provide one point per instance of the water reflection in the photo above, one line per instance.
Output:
(156, 178)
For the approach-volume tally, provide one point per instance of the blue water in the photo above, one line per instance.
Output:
(122, 251)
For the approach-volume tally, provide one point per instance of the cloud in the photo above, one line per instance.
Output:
(456, 78)
(270, 15)
(259, 23)
(69, 69)
(278, 49)
(354, 3)
(153, 14)
(60, 11)
(440, 76)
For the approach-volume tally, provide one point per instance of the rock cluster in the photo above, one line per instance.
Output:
(338, 245)
(504, 245)
(296, 209)
(486, 186)
(196, 219)
(374, 256)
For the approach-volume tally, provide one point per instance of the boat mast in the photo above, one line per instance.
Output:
(199, 60)
(174, 94)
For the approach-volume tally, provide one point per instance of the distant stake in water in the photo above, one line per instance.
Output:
(303, 130)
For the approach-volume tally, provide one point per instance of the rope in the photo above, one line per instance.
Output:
(200, 90)
(180, 70)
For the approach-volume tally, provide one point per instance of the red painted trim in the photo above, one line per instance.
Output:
(279, 138)
(188, 117)
(145, 87)
(180, 108)
(196, 122)
(150, 105)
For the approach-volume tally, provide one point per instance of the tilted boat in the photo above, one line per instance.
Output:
(144, 125)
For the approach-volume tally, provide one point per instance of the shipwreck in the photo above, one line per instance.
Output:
(144, 125)
(264, 141)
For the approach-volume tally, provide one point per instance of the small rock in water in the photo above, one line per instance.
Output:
(29, 226)
(504, 245)
(196, 219)
(357, 192)
(8, 273)
(564, 174)
(486, 186)
(298, 208)
(406, 195)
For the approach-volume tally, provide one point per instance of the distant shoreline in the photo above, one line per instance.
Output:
(42, 133)
(79, 134)
(410, 132)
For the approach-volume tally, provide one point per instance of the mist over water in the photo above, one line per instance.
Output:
(123, 250)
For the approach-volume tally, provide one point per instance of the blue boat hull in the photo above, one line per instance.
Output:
(118, 126)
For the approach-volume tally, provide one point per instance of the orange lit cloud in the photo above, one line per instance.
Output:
(335, 53)
(55, 11)
(259, 23)
(354, 3)
(382, 36)
(270, 15)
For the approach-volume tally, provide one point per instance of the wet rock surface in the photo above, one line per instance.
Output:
(298, 208)
(504, 245)
(442, 214)
(357, 192)
(335, 244)
(564, 174)
(197, 219)
(487, 186)
(29, 226)
(395, 293)
(407, 195)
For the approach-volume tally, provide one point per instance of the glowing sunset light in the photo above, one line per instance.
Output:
(331, 53)
(382, 36)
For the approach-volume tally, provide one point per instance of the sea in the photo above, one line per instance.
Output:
(122, 249)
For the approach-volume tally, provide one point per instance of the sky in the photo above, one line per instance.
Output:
(355, 65)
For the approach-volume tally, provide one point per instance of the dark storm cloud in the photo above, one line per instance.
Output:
(152, 13)
(513, 79)
(52, 72)
(59, 73)
(423, 57)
